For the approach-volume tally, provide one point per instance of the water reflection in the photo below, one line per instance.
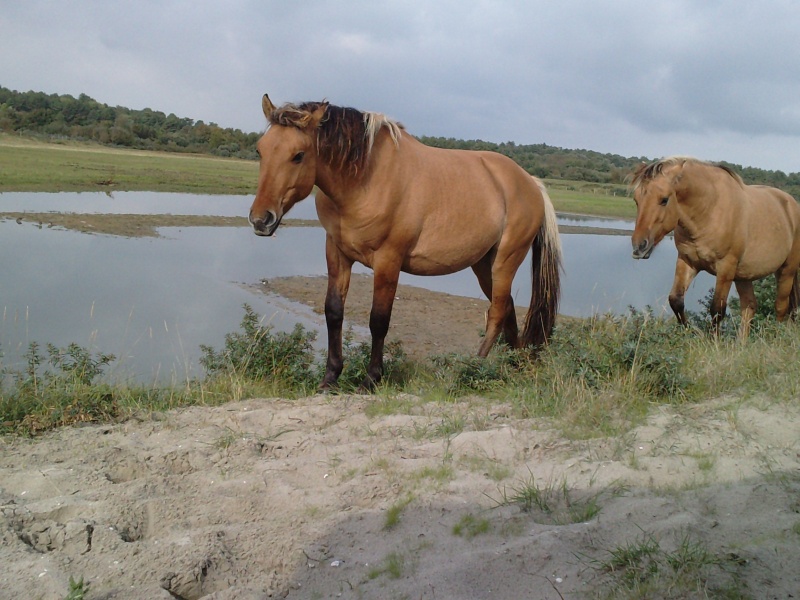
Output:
(153, 301)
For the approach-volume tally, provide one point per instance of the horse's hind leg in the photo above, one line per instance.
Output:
(786, 295)
(483, 272)
(501, 310)
(747, 300)
(794, 297)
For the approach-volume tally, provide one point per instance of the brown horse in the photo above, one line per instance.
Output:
(737, 232)
(394, 204)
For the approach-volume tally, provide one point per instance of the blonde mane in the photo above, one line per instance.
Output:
(647, 172)
(345, 136)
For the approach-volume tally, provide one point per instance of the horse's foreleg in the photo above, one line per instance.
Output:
(684, 275)
(339, 270)
(747, 299)
(383, 293)
(719, 303)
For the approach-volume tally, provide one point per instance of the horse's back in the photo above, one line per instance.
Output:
(772, 210)
(479, 176)
(452, 161)
(772, 228)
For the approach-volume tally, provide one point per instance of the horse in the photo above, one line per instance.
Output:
(393, 204)
(737, 232)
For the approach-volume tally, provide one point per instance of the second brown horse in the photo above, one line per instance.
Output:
(737, 232)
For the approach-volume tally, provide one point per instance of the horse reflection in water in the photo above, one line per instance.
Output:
(394, 204)
(737, 232)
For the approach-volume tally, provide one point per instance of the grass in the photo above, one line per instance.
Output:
(77, 589)
(395, 511)
(643, 568)
(393, 566)
(582, 198)
(469, 526)
(551, 502)
(599, 377)
(29, 165)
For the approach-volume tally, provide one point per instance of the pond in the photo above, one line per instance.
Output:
(153, 301)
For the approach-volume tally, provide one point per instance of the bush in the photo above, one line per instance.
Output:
(471, 374)
(765, 291)
(256, 353)
(40, 398)
(639, 347)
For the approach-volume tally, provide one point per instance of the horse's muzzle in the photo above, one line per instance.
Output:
(264, 226)
(643, 249)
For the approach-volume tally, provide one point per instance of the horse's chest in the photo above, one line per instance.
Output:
(700, 257)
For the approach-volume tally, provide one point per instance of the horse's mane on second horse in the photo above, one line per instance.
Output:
(344, 136)
(648, 172)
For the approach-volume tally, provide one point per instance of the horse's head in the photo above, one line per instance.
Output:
(656, 205)
(288, 164)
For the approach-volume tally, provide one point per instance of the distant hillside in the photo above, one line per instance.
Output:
(83, 118)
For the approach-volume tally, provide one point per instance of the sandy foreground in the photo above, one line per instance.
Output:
(327, 497)
(270, 498)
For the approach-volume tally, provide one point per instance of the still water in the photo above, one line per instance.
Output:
(152, 302)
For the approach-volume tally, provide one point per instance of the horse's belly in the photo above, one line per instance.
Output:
(439, 264)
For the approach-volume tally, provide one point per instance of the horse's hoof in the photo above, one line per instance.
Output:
(367, 386)
(326, 387)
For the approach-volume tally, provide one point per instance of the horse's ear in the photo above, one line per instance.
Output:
(267, 106)
(318, 115)
(679, 175)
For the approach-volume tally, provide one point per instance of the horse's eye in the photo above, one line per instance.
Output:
(664, 201)
(298, 158)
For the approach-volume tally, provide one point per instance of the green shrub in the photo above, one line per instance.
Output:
(638, 347)
(461, 374)
(259, 354)
(57, 389)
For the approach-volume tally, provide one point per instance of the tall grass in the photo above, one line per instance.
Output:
(598, 376)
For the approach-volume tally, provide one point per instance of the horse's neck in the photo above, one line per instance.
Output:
(337, 187)
(699, 205)
(343, 187)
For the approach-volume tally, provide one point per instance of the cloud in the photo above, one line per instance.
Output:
(718, 79)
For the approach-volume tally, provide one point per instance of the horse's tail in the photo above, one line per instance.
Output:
(545, 277)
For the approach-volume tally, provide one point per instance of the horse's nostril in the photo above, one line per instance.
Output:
(263, 222)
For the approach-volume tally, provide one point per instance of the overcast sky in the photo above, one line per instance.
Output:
(719, 80)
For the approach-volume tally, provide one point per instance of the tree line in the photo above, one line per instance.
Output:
(83, 118)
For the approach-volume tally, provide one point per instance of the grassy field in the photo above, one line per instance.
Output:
(28, 165)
